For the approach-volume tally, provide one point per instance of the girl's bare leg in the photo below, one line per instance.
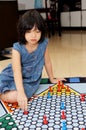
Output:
(9, 96)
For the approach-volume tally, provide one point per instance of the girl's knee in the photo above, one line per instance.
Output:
(3, 97)
(10, 96)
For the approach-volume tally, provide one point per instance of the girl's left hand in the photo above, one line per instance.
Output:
(56, 80)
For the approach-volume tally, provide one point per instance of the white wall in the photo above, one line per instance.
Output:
(7, 0)
(25, 4)
(29, 4)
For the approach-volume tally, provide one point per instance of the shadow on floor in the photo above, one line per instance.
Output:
(4, 57)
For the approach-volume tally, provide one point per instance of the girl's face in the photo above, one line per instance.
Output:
(33, 36)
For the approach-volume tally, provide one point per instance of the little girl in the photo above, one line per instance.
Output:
(20, 80)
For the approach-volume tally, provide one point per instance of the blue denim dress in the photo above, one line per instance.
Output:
(32, 66)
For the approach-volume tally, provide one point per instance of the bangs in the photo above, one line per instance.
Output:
(33, 23)
(33, 26)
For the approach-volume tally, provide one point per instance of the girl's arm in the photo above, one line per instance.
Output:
(48, 67)
(49, 70)
(17, 71)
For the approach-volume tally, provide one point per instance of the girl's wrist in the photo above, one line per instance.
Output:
(52, 78)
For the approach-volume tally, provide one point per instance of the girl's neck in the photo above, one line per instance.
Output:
(31, 47)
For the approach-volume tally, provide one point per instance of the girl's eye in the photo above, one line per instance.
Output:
(38, 31)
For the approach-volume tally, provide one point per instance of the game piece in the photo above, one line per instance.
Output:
(83, 129)
(50, 89)
(58, 83)
(82, 98)
(64, 125)
(49, 95)
(59, 89)
(67, 89)
(64, 128)
(63, 116)
(45, 121)
(62, 106)
(25, 112)
(62, 86)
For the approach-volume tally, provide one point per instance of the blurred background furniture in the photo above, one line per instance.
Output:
(50, 11)
(53, 17)
(8, 21)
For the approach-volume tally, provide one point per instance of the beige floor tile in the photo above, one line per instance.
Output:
(68, 54)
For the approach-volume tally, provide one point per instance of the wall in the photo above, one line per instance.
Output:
(31, 4)
(8, 23)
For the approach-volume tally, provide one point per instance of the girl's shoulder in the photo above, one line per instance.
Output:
(43, 45)
(17, 46)
(45, 41)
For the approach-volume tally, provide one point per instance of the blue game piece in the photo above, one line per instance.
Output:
(64, 128)
(62, 106)
(64, 125)
(48, 95)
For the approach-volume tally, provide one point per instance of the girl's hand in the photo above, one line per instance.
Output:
(22, 101)
(56, 80)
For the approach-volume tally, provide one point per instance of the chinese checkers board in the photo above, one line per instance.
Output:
(60, 106)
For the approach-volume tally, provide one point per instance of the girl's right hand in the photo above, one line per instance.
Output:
(22, 101)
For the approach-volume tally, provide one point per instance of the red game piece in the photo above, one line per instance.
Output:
(59, 89)
(83, 129)
(45, 121)
(50, 89)
(25, 112)
(58, 83)
(82, 97)
(62, 86)
(59, 86)
(63, 116)
(67, 89)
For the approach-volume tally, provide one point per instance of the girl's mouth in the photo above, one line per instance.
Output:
(33, 40)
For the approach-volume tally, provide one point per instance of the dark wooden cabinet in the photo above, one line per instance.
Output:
(8, 23)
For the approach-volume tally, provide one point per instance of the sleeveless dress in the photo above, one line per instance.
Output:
(32, 66)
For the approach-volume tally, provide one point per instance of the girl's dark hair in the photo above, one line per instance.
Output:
(27, 22)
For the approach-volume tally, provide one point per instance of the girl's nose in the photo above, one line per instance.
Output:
(33, 34)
